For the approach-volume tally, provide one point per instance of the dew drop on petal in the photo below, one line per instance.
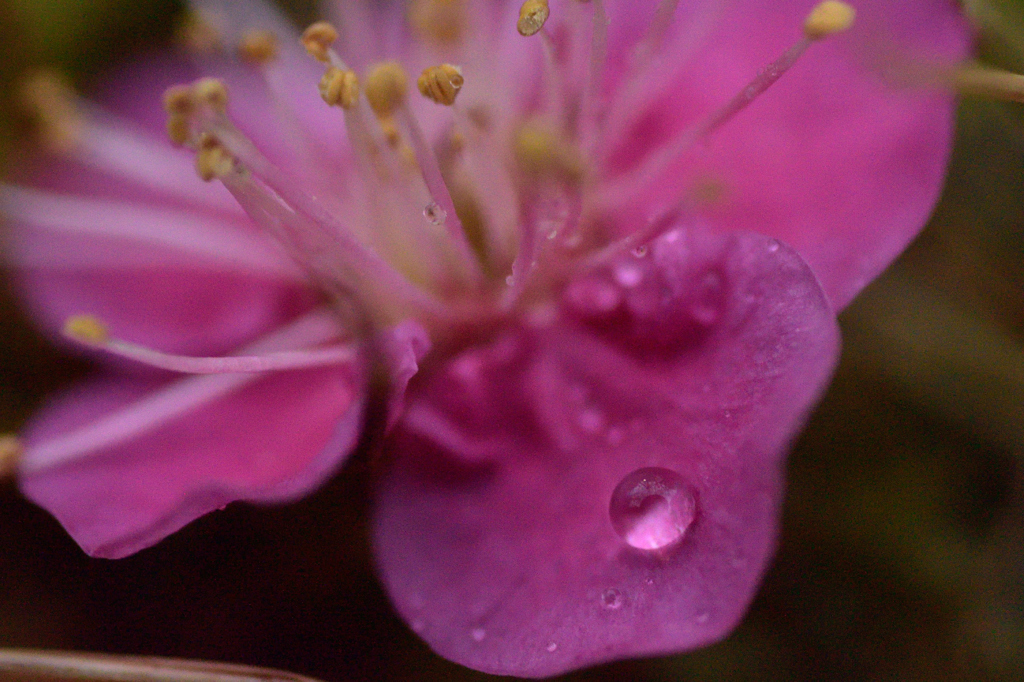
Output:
(552, 648)
(611, 599)
(773, 246)
(652, 508)
(510, 280)
(640, 251)
(628, 275)
(478, 634)
(434, 214)
(702, 617)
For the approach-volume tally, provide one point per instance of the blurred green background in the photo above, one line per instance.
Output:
(902, 550)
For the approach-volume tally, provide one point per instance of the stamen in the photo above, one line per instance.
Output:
(90, 331)
(86, 329)
(10, 454)
(385, 88)
(213, 93)
(441, 84)
(179, 103)
(441, 21)
(825, 19)
(174, 400)
(317, 39)
(541, 152)
(197, 35)
(340, 87)
(50, 99)
(258, 47)
(828, 18)
(984, 81)
(212, 160)
(532, 16)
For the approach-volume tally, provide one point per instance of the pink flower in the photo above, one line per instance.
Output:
(592, 301)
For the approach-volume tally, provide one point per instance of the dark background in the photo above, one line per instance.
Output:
(901, 552)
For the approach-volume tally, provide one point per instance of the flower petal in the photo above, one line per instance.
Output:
(838, 159)
(493, 531)
(215, 439)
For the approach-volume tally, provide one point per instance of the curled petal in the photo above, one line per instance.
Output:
(500, 530)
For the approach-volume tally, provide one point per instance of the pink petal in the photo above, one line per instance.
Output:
(275, 439)
(840, 162)
(492, 529)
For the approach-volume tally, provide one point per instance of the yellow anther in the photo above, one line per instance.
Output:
(317, 39)
(212, 160)
(540, 151)
(340, 87)
(179, 103)
(831, 16)
(212, 92)
(196, 34)
(179, 99)
(532, 16)
(178, 129)
(385, 88)
(10, 454)
(441, 83)
(442, 21)
(50, 100)
(87, 329)
(258, 47)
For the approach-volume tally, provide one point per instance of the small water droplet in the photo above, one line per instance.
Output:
(652, 508)
(649, 581)
(478, 634)
(552, 234)
(773, 246)
(628, 275)
(611, 599)
(702, 617)
(672, 237)
(640, 251)
(510, 280)
(552, 648)
(434, 214)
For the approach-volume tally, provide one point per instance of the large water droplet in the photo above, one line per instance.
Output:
(652, 508)
(611, 599)
(552, 648)
(434, 214)
(478, 634)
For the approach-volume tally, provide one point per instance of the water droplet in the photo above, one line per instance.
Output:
(640, 251)
(510, 280)
(773, 246)
(611, 599)
(672, 237)
(648, 581)
(628, 275)
(652, 508)
(434, 214)
(478, 634)
(552, 648)
(702, 617)
(552, 234)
